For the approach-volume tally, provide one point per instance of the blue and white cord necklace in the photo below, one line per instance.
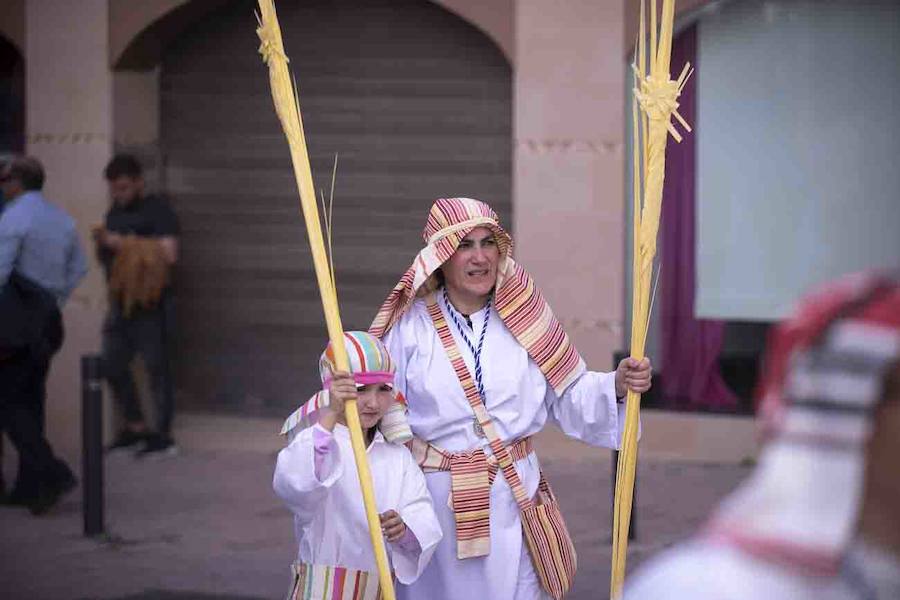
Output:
(476, 351)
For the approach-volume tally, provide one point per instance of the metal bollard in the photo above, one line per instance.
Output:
(92, 444)
(632, 527)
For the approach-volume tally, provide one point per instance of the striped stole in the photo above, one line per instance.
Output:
(528, 317)
(471, 489)
(549, 544)
(320, 582)
(471, 475)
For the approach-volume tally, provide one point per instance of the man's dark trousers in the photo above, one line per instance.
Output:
(146, 332)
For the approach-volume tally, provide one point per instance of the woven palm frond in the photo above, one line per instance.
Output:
(655, 104)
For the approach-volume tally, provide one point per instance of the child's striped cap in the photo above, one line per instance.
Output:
(370, 361)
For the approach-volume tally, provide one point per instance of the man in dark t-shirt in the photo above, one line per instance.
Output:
(146, 329)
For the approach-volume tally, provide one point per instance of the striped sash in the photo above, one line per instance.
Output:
(549, 544)
(499, 450)
(320, 582)
(471, 475)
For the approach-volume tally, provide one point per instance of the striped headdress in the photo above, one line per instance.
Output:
(370, 363)
(827, 372)
(517, 299)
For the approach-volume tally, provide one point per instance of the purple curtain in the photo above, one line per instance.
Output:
(690, 376)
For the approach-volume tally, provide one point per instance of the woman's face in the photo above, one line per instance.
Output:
(472, 270)
(373, 401)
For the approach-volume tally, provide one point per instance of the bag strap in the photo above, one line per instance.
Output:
(501, 452)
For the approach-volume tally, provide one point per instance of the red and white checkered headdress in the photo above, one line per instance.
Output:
(826, 374)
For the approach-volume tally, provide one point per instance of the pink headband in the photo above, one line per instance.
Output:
(366, 378)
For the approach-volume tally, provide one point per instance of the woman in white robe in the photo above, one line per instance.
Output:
(465, 240)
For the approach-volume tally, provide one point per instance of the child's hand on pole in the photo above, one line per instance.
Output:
(341, 389)
(392, 525)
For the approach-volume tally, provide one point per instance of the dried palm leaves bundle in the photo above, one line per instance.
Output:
(138, 274)
(287, 107)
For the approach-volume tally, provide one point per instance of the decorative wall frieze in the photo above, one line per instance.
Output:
(76, 137)
(127, 141)
(602, 325)
(568, 145)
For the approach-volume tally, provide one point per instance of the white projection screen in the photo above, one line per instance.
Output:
(798, 150)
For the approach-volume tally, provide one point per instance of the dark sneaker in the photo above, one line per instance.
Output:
(9, 499)
(158, 446)
(19, 498)
(24, 491)
(51, 492)
(127, 439)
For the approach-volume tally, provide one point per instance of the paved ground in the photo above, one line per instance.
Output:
(206, 525)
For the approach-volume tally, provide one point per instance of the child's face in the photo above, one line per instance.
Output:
(373, 401)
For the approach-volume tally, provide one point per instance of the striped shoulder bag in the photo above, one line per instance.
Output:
(549, 543)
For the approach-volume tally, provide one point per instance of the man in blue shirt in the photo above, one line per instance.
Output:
(37, 238)
(41, 262)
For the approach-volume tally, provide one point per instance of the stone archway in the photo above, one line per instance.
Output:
(139, 32)
(418, 104)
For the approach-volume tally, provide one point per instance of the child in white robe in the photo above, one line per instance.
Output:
(316, 477)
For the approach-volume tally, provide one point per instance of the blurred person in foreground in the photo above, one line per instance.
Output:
(820, 516)
(138, 245)
(41, 262)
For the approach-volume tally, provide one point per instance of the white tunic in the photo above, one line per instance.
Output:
(329, 515)
(706, 570)
(520, 403)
